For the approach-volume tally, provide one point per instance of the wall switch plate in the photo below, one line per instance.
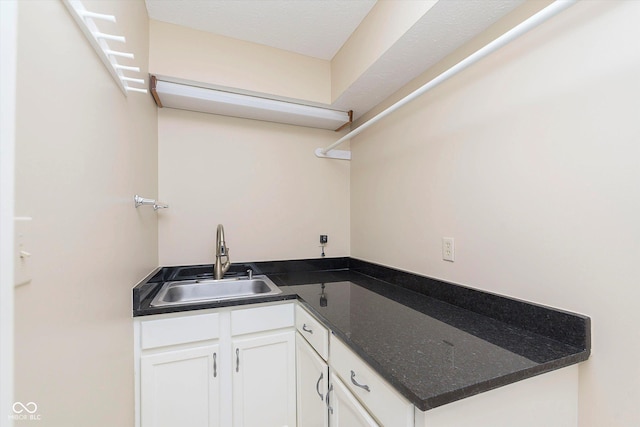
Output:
(22, 255)
(448, 249)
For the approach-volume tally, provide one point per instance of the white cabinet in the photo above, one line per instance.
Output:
(264, 383)
(344, 408)
(181, 387)
(178, 365)
(312, 374)
(233, 366)
(379, 397)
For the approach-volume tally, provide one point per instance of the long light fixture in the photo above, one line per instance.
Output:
(206, 100)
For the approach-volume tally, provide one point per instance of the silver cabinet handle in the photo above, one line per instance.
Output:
(237, 360)
(328, 393)
(353, 380)
(215, 366)
(318, 386)
(304, 328)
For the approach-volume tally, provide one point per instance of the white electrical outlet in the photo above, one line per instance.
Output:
(448, 249)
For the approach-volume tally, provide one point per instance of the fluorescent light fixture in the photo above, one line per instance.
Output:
(214, 101)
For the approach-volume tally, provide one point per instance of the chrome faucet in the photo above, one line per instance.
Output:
(221, 251)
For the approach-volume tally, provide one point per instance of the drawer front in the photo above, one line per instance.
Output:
(313, 331)
(179, 330)
(388, 406)
(249, 320)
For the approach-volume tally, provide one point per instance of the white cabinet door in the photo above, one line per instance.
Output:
(180, 388)
(264, 383)
(313, 381)
(345, 410)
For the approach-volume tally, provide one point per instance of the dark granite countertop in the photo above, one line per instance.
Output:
(435, 342)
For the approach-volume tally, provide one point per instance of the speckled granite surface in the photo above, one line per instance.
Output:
(435, 342)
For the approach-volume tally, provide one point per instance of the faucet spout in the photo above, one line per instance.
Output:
(222, 250)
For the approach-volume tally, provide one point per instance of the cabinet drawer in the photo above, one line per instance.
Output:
(179, 330)
(313, 331)
(260, 319)
(388, 406)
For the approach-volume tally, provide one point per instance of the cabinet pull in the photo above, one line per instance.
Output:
(318, 386)
(237, 360)
(328, 393)
(215, 366)
(353, 380)
(304, 328)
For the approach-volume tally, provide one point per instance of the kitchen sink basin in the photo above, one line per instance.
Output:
(202, 291)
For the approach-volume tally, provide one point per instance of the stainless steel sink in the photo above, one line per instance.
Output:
(201, 291)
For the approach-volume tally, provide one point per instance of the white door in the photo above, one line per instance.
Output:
(264, 383)
(345, 410)
(313, 383)
(181, 388)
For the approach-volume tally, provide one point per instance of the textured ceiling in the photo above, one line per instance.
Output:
(318, 28)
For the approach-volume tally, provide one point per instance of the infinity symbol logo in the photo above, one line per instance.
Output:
(30, 407)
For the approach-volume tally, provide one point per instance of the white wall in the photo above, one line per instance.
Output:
(184, 53)
(530, 161)
(261, 180)
(83, 150)
(8, 53)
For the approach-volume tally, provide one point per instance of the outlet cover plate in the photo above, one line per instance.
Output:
(448, 249)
